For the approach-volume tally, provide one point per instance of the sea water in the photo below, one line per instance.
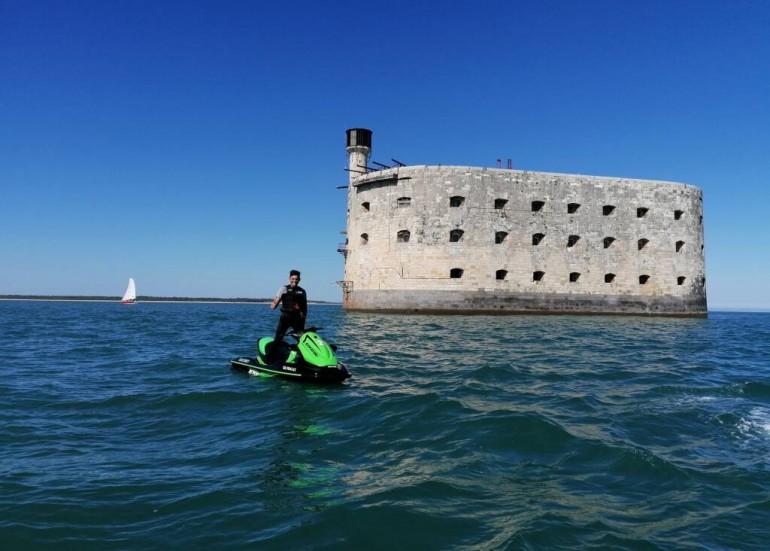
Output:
(123, 427)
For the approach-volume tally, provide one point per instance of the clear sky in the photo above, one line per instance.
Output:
(197, 146)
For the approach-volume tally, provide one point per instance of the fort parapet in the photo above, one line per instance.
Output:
(457, 239)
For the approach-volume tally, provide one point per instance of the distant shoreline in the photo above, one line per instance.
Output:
(53, 298)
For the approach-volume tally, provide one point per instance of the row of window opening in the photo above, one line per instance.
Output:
(572, 208)
(574, 277)
(455, 236)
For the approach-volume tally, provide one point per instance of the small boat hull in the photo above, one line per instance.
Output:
(303, 373)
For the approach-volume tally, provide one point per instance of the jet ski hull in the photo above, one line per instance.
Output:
(322, 375)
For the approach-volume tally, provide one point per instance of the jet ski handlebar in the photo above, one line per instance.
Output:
(298, 334)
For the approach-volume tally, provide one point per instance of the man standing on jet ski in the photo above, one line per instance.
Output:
(293, 301)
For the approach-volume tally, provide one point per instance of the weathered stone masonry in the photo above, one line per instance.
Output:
(456, 239)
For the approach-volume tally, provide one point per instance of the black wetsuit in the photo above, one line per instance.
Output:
(293, 302)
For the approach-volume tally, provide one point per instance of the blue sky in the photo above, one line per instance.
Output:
(197, 146)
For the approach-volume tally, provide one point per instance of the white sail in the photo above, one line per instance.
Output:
(129, 297)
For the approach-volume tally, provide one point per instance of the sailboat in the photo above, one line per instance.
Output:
(129, 297)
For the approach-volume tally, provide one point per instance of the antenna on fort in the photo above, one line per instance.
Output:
(510, 164)
(399, 163)
(499, 163)
(382, 165)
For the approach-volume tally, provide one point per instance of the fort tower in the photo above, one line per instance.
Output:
(359, 148)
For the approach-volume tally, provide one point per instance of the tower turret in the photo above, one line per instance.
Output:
(359, 148)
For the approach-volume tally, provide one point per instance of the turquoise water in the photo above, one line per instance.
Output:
(123, 427)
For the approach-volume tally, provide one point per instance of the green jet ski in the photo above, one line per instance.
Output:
(309, 359)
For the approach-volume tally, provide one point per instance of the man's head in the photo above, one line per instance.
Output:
(294, 277)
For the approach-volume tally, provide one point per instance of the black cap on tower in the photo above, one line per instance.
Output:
(359, 137)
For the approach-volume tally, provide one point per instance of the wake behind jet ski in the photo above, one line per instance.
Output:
(310, 359)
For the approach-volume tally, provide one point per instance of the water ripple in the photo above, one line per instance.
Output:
(125, 428)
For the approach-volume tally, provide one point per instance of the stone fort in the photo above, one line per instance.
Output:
(473, 240)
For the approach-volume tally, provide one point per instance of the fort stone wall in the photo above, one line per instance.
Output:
(456, 239)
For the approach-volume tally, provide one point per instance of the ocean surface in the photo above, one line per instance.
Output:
(123, 427)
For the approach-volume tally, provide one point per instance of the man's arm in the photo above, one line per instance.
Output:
(277, 299)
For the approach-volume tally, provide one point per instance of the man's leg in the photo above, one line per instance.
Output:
(280, 331)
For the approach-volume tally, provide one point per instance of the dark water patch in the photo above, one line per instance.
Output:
(757, 390)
